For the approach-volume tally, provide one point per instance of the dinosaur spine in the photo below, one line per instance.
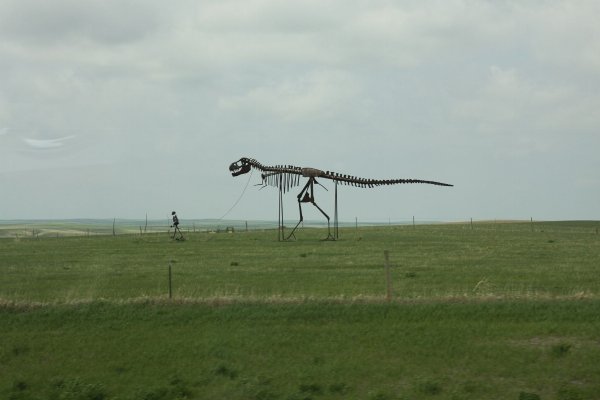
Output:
(288, 176)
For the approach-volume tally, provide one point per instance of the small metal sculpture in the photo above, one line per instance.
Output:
(176, 226)
(285, 177)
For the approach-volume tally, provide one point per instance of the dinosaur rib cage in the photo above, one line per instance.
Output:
(288, 176)
(281, 176)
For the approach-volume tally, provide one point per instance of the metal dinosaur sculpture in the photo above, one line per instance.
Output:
(285, 177)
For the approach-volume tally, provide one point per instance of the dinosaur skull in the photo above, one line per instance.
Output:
(242, 166)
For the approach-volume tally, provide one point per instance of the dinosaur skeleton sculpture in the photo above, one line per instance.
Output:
(284, 177)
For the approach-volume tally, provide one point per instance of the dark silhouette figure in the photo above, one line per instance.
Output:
(177, 235)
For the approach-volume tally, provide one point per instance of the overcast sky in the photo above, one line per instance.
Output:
(118, 108)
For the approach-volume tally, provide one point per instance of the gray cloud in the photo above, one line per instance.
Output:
(64, 22)
(499, 98)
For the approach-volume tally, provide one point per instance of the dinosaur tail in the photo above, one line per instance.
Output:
(363, 182)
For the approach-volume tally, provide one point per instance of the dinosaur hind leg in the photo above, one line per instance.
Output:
(329, 235)
(308, 197)
(299, 222)
(302, 198)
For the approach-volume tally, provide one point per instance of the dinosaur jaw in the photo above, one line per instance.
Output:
(239, 167)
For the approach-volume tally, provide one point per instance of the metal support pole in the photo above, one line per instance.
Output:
(335, 215)
(280, 228)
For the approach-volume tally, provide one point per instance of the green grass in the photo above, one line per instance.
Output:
(500, 311)
(475, 350)
(428, 262)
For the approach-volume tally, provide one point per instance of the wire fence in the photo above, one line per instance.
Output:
(66, 228)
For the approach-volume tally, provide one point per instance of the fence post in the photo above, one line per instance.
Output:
(531, 224)
(170, 280)
(388, 276)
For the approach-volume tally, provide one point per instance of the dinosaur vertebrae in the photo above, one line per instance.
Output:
(362, 182)
(288, 176)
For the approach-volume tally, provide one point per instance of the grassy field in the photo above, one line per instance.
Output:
(492, 311)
